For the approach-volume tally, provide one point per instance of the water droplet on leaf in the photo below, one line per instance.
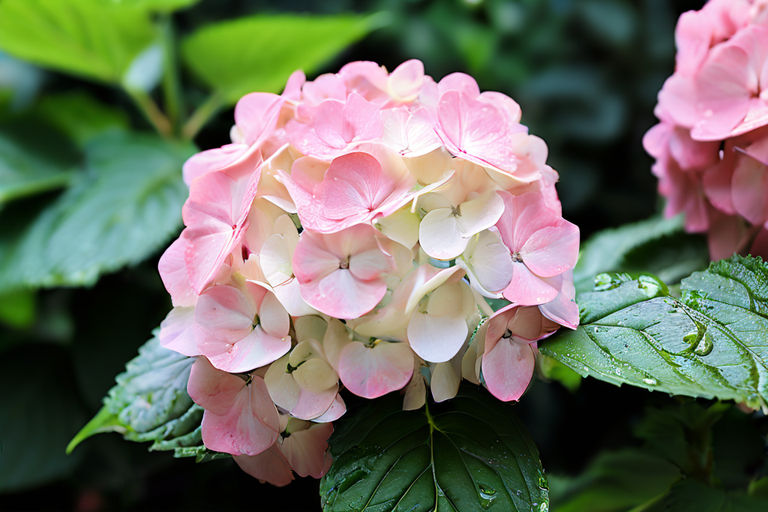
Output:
(487, 494)
(704, 346)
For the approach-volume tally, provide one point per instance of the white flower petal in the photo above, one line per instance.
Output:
(445, 382)
(440, 234)
(436, 338)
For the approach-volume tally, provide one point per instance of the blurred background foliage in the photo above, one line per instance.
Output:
(90, 193)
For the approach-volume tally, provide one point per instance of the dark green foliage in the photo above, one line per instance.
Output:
(710, 342)
(468, 454)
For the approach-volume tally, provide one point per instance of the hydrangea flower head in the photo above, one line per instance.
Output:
(713, 113)
(346, 240)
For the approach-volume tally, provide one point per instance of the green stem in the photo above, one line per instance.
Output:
(151, 112)
(171, 85)
(202, 115)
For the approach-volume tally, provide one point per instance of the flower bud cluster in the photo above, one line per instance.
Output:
(711, 144)
(348, 238)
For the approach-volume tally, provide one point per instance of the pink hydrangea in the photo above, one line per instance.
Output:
(713, 111)
(347, 240)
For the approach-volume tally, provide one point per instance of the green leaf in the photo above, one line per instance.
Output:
(124, 208)
(17, 308)
(553, 369)
(81, 116)
(711, 342)
(614, 482)
(469, 453)
(39, 412)
(682, 435)
(165, 6)
(150, 403)
(693, 496)
(656, 245)
(25, 172)
(91, 38)
(260, 52)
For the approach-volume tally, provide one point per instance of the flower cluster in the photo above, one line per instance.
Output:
(711, 145)
(349, 237)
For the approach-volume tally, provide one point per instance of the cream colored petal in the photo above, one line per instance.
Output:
(301, 353)
(445, 382)
(316, 375)
(275, 260)
(436, 339)
(401, 226)
(448, 300)
(310, 327)
(273, 317)
(480, 213)
(441, 235)
(415, 392)
(281, 385)
(488, 263)
(335, 339)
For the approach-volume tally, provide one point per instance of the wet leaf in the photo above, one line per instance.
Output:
(469, 453)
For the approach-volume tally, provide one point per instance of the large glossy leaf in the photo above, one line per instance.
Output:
(711, 342)
(93, 38)
(259, 53)
(467, 454)
(39, 412)
(122, 209)
(656, 245)
(614, 482)
(150, 403)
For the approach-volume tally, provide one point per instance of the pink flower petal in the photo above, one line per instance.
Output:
(307, 450)
(552, 250)
(523, 216)
(250, 427)
(341, 295)
(334, 412)
(527, 289)
(254, 350)
(179, 331)
(406, 79)
(322, 265)
(215, 215)
(212, 389)
(173, 271)
(749, 188)
(225, 307)
(256, 115)
(373, 372)
(508, 369)
(269, 466)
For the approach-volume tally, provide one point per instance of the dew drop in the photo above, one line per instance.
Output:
(487, 494)
(692, 338)
(650, 381)
(704, 346)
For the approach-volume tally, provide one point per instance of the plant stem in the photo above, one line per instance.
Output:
(171, 86)
(202, 115)
(151, 111)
